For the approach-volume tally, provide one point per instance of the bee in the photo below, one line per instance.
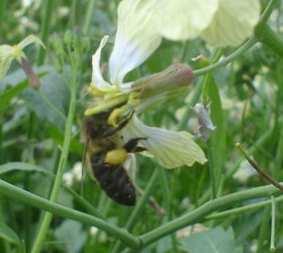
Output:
(106, 156)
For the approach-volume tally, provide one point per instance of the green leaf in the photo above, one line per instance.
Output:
(213, 241)
(12, 166)
(71, 236)
(50, 101)
(217, 141)
(8, 94)
(8, 234)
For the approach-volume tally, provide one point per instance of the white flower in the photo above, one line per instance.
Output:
(233, 22)
(68, 179)
(93, 230)
(77, 171)
(9, 53)
(136, 39)
(172, 149)
(219, 22)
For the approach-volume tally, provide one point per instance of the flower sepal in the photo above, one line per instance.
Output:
(175, 76)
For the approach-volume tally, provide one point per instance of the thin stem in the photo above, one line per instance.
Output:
(21, 195)
(137, 210)
(88, 16)
(31, 199)
(273, 220)
(262, 173)
(209, 207)
(238, 52)
(56, 187)
(244, 209)
(72, 19)
(90, 208)
(45, 29)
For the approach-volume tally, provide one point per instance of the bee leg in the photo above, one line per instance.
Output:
(122, 124)
(132, 145)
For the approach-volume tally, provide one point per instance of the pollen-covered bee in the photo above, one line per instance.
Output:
(106, 156)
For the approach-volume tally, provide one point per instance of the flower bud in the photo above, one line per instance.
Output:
(174, 77)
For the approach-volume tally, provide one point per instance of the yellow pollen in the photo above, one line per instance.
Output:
(116, 156)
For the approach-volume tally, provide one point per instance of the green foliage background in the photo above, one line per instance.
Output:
(246, 102)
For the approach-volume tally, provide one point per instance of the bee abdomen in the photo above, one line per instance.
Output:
(115, 181)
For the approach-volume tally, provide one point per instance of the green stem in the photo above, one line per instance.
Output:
(90, 208)
(28, 198)
(263, 230)
(240, 210)
(209, 207)
(273, 219)
(56, 187)
(238, 52)
(89, 14)
(45, 29)
(137, 210)
(21, 195)
(72, 19)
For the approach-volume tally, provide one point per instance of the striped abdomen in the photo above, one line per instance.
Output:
(115, 181)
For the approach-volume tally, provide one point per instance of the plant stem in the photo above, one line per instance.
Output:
(238, 52)
(243, 209)
(136, 212)
(45, 29)
(209, 207)
(88, 16)
(273, 220)
(90, 208)
(72, 19)
(62, 162)
(21, 195)
(262, 173)
(31, 199)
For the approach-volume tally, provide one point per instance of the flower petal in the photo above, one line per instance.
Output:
(136, 38)
(172, 149)
(97, 78)
(30, 40)
(184, 19)
(6, 58)
(233, 22)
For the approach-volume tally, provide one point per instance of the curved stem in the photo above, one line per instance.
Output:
(62, 162)
(28, 198)
(209, 207)
(247, 45)
(88, 16)
(243, 209)
(21, 195)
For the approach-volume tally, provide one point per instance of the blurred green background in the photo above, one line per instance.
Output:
(246, 102)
